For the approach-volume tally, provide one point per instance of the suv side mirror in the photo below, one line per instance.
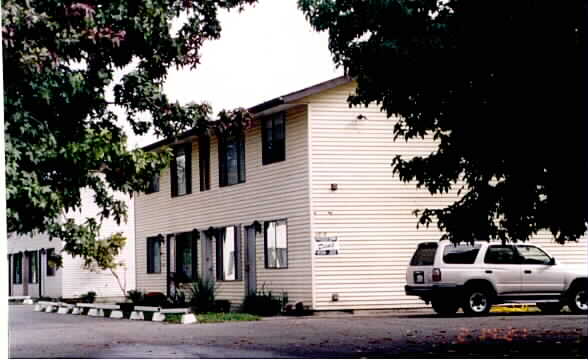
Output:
(551, 261)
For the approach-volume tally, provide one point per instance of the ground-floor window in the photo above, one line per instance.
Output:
(17, 269)
(153, 255)
(227, 254)
(33, 260)
(51, 262)
(276, 244)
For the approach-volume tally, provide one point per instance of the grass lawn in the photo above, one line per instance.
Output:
(214, 317)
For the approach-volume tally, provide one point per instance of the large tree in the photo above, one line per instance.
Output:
(62, 134)
(499, 84)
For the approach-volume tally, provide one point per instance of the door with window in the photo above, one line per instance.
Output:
(502, 264)
(250, 269)
(540, 275)
(185, 258)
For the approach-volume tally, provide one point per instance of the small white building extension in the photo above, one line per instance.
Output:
(304, 203)
(30, 273)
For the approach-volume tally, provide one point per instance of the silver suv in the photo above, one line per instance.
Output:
(476, 276)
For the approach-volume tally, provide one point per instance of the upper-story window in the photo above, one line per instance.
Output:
(273, 138)
(204, 162)
(231, 150)
(181, 170)
(153, 185)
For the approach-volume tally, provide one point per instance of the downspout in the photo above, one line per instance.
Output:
(9, 274)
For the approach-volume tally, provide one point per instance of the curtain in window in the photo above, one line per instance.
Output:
(181, 172)
(276, 243)
(281, 245)
(229, 254)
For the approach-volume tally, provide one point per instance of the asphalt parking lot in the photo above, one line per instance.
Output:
(401, 334)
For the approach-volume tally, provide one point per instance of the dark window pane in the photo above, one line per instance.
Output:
(33, 268)
(50, 264)
(274, 139)
(460, 254)
(232, 160)
(17, 269)
(153, 255)
(424, 255)
(204, 161)
(279, 127)
(498, 254)
(185, 257)
(153, 185)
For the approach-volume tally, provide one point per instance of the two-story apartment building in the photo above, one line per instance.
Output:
(305, 202)
(31, 271)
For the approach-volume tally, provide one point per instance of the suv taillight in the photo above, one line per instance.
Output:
(436, 274)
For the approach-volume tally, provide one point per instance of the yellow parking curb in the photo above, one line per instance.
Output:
(514, 308)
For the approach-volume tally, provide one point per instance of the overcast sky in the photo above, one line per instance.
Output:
(265, 51)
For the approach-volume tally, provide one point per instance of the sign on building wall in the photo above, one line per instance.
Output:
(326, 245)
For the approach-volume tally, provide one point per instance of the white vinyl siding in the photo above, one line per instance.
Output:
(371, 212)
(72, 280)
(275, 191)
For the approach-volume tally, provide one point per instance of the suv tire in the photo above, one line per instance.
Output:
(477, 301)
(550, 308)
(444, 307)
(577, 299)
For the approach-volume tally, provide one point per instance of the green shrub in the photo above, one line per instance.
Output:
(203, 293)
(88, 297)
(264, 303)
(136, 296)
(177, 300)
(222, 306)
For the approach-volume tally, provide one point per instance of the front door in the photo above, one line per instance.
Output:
(250, 275)
(539, 274)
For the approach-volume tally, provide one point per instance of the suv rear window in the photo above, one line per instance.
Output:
(424, 254)
(460, 254)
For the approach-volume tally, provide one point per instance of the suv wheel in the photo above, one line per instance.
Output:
(444, 307)
(477, 301)
(577, 299)
(550, 308)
